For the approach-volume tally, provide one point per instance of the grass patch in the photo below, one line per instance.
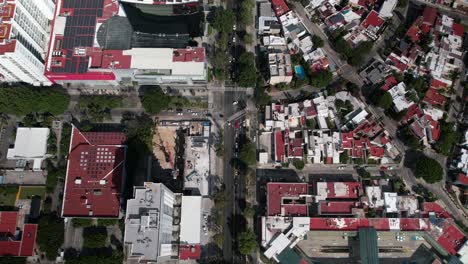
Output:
(27, 192)
(8, 195)
(107, 222)
(82, 222)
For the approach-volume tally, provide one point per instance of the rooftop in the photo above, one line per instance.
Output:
(14, 243)
(190, 222)
(30, 144)
(94, 174)
(277, 192)
(373, 20)
(334, 190)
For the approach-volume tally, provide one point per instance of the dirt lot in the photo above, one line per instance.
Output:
(164, 141)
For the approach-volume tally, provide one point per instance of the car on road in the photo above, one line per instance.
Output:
(180, 113)
(235, 102)
(189, 110)
(194, 113)
(341, 167)
(234, 27)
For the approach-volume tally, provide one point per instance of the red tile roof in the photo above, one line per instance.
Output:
(94, 174)
(432, 207)
(413, 33)
(435, 128)
(279, 146)
(451, 238)
(280, 7)
(436, 84)
(462, 178)
(9, 246)
(380, 224)
(458, 29)
(397, 63)
(434, 98)
(336, 208)
(276, 191)
(429, 15)
(413, 112)
(425, 28)
(187, 55)
(190, 252)
(390, 81)
(376, 152)
(372, 19)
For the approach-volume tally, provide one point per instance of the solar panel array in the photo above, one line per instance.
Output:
(79, 32)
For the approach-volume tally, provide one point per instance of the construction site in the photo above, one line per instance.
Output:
(182, 153)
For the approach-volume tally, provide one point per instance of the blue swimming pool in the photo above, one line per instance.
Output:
(299, 72)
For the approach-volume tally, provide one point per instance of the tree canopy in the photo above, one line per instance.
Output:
(24, 100)
(154, 101)
(429, 169)
(448, 138)
(247, 70)
(97, 108)
(248, 154)
(50, 234)
(224, 20)
(247, 242)
(245, 15)
(321, 78)
(386, 101)
(299, 164)
(318, 41)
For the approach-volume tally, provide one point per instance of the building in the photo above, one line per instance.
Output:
(386, 10)
(148, 223)
(120, 43)
(24, 38)
(287, 199)
(190, 227)
(30, 145)
(280, 66)
(95, 172)
(18, 238)
(398, 93)
(337, 190)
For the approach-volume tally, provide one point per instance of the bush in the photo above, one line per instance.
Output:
(24, 100)
(429, 169)
(318, 42)
(247, 70)
(298, 164)
(249, 212)
(448, 138)
(224, 20)
(107, 222)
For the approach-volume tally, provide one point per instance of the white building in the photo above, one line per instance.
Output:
(190, 220)
(280, 67)
(386, 10)
(374, 194)
(400, 102)
(390, 200)
(24, 38)
(148, 223)
(30, 144)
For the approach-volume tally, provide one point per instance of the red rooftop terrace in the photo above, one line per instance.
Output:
(96, 168)
(16, 242)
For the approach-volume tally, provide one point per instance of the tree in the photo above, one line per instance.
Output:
(94, 237)
(248, 153)
(97, 108)
(318, 42)
(247, 70)
(224, 20)
(139, 128)
(248, 38)
(448, 138)
(50, 234)
(220, 63)
(321, 78)
(429, 169)
(402, 3)
(247, 242)
(298, 164)
(248, 212)
(245, 15)
(154, 100)
(344, 157)
(311, 124)
(386, 101)
(24, 99)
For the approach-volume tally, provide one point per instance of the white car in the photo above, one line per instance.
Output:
(180, 113)
(234, 27)
(235, 103)
(195, 113)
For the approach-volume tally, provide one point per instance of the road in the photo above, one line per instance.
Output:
(228, 174)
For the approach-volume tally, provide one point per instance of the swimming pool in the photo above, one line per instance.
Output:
(299, 72)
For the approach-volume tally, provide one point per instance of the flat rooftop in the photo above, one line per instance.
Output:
(94, 174)
(276, 192)
(11, 246)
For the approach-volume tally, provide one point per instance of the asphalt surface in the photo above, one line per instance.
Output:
(233, 193)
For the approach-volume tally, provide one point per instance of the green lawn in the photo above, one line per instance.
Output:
(8, 195)
(28, 192)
